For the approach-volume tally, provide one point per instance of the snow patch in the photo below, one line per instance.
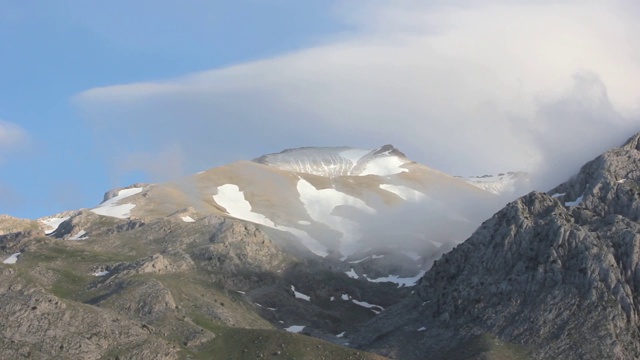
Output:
(300, 295)
(574, 203)
(345, 297)
(341, 335)
(295, 328)
(557, 195)
(358, 261)
(12, 259)
(352, 274)
(422, 329)
(53, 224)
(79, 236)
(113, 209)
(100, 273)
(232, 199)
(385, 166)
(188, 219)
(303, 222)
(320, 205)
(407, 281)
(375, 308)
(404, 192)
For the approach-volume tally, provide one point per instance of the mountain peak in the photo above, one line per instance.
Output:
(338, 161)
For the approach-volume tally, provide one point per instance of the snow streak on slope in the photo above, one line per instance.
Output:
(320, 205)
(113, 209)
(12, 259)
(232, 199)
(405, 193)
(53, 224)
(340, 161)
(384, 167)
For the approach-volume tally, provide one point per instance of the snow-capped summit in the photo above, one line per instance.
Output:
(338, 161)
(503, 183)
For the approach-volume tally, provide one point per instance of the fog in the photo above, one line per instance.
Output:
(466, 87)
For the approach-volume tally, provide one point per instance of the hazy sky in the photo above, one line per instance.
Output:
(102, 94)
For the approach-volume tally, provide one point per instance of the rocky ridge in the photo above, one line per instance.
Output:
(556, 274)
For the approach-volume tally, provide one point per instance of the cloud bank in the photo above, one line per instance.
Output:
(467, 87)
(12, 138)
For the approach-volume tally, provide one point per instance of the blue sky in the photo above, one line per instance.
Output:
(55, 49)
(97, 95)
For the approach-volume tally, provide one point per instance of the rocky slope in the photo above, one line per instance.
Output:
(556, 275)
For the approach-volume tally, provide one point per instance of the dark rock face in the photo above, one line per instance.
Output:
(559, 275)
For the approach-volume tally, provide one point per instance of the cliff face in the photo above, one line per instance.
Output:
(557, 274)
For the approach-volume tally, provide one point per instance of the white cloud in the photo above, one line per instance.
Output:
(12, 137)
(468, 88)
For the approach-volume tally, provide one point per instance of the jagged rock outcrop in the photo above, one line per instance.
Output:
(39, 325)
(557, 274)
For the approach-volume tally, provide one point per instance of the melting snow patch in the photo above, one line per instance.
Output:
(557, 195)
(321, 203)
(377, 256)
(358, 261)
(352, 274)
(340, 335)
(232, 199)
(188, 219)
(295, 328)
(332, 298)
(240, 292)
(422, 329)
(389, 165)
(100, 273)
(111, 207)
(621, 181)
(408, 281)
(405, 193)
(303, 222)
(79, 236)
(371, 307)
(574, 203)
(300, 295)
(53, 224)
(12, 259)
(344, 297)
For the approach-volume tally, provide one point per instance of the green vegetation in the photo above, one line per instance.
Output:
(235, 343)
(486, 347)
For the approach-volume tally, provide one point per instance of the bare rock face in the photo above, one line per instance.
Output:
(39, 325)
(558, 275)
(239, 246)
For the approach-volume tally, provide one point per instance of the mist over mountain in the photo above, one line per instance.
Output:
(555, 274)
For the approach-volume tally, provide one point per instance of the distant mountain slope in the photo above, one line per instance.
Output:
(339, 202)
(558, 274)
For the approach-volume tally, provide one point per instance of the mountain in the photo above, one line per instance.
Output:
(504, 183)
(234, 262)
(551, 276)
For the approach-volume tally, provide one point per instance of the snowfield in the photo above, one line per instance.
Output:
(389, 165)
(12, 259)
(405, 193)
(232, 199)
(113, 209)
(188, 219)
(295, 328)
(53, 224)
(408, 281)
(300, 295)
